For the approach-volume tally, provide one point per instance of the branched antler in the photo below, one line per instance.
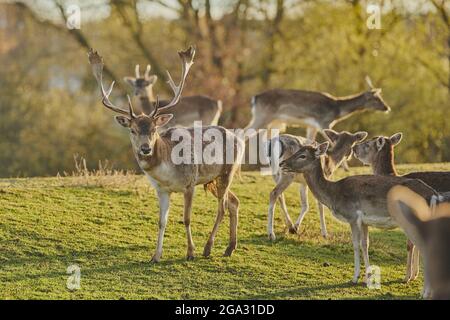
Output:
(96, 62)
(187, 58)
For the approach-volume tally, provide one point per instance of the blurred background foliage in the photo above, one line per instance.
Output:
(49, 101)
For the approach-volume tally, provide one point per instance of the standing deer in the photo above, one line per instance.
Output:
(315, 110)
(360, 201)
(430, 230)
(343, 143)
(378, 152)
(193, 108)
(153, 151)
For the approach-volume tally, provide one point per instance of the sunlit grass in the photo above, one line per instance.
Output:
(109, 230)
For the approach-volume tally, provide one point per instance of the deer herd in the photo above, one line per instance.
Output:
(418, 203)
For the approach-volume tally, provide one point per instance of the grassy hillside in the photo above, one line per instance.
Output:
(108, 227)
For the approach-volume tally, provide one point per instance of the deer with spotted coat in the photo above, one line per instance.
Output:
(153, 150)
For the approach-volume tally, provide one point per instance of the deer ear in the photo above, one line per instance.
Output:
(331, 134)
(152, 79)
(162, 120)
(123, 121)
(396, 138)
(380, 143)
(361, 135)
(322, 149)
(130, 80)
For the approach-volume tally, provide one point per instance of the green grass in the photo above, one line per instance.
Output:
(109, 229)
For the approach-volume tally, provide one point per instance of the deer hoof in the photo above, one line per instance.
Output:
(293, 229)
(190, 257)
(155, 259)
(325, 235)
(272, 237)
(207, 251)
(229, 251)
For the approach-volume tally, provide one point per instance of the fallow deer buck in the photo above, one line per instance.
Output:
(378, 152)
(154, 151)
(360, 201)
(315, 110)
(190, 109)
(430, 230)
(343, 143)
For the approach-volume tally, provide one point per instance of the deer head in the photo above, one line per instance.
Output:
(303, 160)
(343, 142)
(374, 99)
(143, 127)
(367, 151)
(142, 85)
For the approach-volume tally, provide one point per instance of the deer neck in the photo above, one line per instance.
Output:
(322, 188)
(146, 100)
(350, 104)
(383, 163)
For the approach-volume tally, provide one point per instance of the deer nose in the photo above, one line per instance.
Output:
(145, 149)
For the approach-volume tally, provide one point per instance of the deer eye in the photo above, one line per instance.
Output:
(302, 156)
(133, 131)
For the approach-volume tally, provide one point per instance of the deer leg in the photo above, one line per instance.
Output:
(164, 200)
(282, 184)
(305, 205)
(233, 208)
(188, 196)
(323, 226)
(356, 239)
(287, 218)
(222, 202)
(415, 263)
(365, 250)
(409, 261)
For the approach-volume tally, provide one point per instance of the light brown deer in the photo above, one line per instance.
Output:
(190, 109)
(154, 153)
(378, 152)
(343, 143)
(315, 110)
(429, 228)
(360, 201)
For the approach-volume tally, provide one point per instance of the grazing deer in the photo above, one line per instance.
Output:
(193, 108)
(343, 143)
(378, 152)
(153, 151)
(315, 110)
(357, 200)
(430, 230)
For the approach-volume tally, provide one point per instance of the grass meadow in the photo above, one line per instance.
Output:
(108, 227)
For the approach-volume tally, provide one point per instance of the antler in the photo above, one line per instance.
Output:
(136, 71)
(369, 82)
(96, 62)
(147, 71)
(187, 58)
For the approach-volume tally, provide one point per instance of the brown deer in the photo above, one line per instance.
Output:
(360, 201)
(378, 152)
(343, 143)
(190, 109)
(315, 110)
(154, 153)
(429, 228)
